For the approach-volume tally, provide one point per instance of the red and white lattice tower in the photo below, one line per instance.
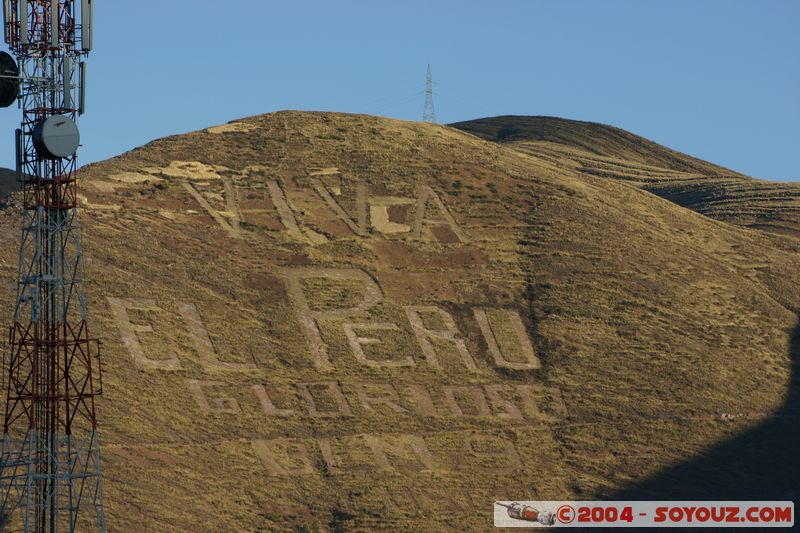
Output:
(50, 460)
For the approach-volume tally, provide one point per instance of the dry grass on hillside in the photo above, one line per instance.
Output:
(599, 150)
(656, 332)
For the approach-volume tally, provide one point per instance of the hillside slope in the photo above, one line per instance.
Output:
(349, 322)
(601, 150)
(8, 182)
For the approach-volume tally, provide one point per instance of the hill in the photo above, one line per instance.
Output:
(344, 322)
(606, 151)
(8, 182)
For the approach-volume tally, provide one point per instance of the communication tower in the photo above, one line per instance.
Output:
(428, 112)
(50, 457)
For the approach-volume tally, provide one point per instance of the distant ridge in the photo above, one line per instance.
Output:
(8, 182)
(610, 152)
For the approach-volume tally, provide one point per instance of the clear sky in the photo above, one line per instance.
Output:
(717, 79)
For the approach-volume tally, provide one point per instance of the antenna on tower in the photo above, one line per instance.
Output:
(428, 112)
(50, 471)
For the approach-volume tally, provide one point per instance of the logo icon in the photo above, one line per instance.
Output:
(526, 513)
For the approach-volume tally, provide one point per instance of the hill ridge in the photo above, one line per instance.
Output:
(610, 152)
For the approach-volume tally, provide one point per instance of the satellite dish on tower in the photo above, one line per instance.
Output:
(56, 137)
(9, 80)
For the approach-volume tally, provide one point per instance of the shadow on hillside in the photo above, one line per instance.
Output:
(8, 184)
(760, 464)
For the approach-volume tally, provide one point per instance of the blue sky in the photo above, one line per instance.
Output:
(718, 79)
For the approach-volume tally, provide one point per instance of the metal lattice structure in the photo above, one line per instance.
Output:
(50, 471)
(428, 112)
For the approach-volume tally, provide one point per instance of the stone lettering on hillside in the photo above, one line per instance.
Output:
(202, 342)
(385, 214)
(228, 223)
(493, 452)
(425, 334)
(477, 452)
(357, 226)
(284, 457)
(467, 400)
(285, 213)
(308, 318)
(385, 448)
(129, 331)
(425, 197)
(327, 399)
(357, 343)
(511, 319)
(379, 396)
(195, 327)
(266, 403)
(324, 399)
(390, 215)
(422, 216)
(509, 345)
(216, 405)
